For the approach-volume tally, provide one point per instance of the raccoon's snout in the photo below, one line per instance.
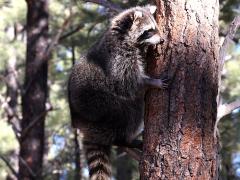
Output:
(155, 39)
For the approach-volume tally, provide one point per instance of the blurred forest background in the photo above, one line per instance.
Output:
(86, 23)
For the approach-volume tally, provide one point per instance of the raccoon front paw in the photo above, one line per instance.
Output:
(162, 83)
(157, 83)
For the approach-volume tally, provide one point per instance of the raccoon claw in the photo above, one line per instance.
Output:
(160, 83)
(164, 83)
(156, 83)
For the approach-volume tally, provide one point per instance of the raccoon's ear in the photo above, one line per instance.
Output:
(151, 8)
(123, 22)
(138, 14)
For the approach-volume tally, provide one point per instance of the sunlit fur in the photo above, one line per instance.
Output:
(106, 93)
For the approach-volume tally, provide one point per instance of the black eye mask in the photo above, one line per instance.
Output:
(147, 34)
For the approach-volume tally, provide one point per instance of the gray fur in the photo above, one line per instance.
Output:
(106, 87)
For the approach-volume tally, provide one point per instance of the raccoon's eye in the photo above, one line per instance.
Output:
(147, 34)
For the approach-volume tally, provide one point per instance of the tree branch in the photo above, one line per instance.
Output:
(235, 39)
(28, 168)
(56, 38)
(76, 29)
(6, 161)
(2, 78)
(113, 7)
(230, 35)
(135, 154)
(222, 52)
(34, 122)
(10, 113)
(226, 109)
(223, 110)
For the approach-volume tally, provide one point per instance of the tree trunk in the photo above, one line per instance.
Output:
(179, 140)
(78, 165)
(35, 91)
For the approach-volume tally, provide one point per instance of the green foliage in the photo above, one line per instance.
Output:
(229, 9)
(8, 141)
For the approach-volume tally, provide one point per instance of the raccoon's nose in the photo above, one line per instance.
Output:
(161, 41)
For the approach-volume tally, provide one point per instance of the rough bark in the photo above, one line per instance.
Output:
(179, 140)
(35, 90)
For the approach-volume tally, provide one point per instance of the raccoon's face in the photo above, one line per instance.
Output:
(138, 26)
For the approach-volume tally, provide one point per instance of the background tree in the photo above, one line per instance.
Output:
(35, 91)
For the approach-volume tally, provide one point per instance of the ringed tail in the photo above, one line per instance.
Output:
(98, 160)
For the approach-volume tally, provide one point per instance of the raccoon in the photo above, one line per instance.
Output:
(106, 87)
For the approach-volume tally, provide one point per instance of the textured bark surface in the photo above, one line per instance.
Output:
(35, 91)
(179, 140)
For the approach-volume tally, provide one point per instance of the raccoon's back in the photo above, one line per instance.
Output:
(87, 87)
(93, 98)
(91, 93)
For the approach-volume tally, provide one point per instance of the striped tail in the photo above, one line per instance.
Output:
(98, 159)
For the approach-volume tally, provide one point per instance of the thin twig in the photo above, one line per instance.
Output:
(56, 38)
(235, 39)
(76, 29)
(2, 78)
(135, 154)
(28, 168)
(229, 37)
(4, 104)
(222, 52)
(38, 119)
(32, 124)
(121, 155)
(6, 161)
(113, 7)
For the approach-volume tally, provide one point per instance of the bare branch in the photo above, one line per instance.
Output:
(76, 29)
(226, 109)
(135, 154)
(2, 78)
(223, 110)
(113, 7)
(56, 38)
(122, 154)
(224, 34)
(34, 122)
(28, 168)
(222, 53)
(6, 161)
(10, 113)
(230, 35)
